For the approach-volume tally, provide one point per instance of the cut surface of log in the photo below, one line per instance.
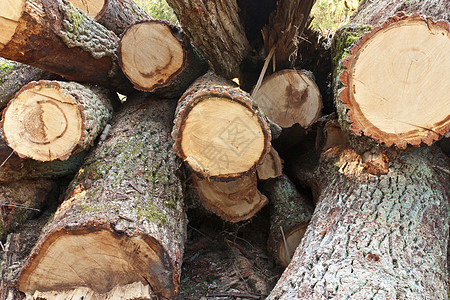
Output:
(233, 201)
(91, 7)
(271, 167)
(122, 221)
(289, 97)
(374, 236)
(387, 95)
(155, 54)
(218, 132)
(51, 120)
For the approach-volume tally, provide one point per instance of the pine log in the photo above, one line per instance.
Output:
(20, 201)
(374, 237)
(14, 75)
(289, 97)
(57, 37)
(122, 221)
(271, 167)
(215, 29)
(233, 201)
(157, 56)
(380, 90)
(289, 217)
(116, 15)
(218, 131)
(51, 120)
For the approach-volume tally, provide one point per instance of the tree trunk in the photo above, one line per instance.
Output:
(374, 237)
(51, 120)
(116, 15)
(289, 97)
(57, 37)
(215, 29)
(157, 56)
(122, 221)
(14, 75)
(380, 90)
(218, 131)
(271, 167)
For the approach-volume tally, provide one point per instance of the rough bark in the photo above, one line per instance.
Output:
(57, 37)
(158, 57)
(366, 68)
(122, 221)
(51, 120)
(374, 237)
(215, 29)
(218, 131)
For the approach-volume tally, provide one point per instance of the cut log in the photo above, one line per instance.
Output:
(215, 29)
(385, 95)
(289, 97)
(271, 167)
(116, 15)
(122, 221)
(218, 131)
(158, 57)
(51, 120)
(20, 201)
(233, 201)
(57, 37)
(289, 217)
(14, 75)
(374, 237)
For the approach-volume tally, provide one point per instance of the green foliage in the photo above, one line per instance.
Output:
(158, 9)
(329, 15)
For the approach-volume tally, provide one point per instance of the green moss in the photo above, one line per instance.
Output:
(152, 213)
(5, 68)
(75, 18)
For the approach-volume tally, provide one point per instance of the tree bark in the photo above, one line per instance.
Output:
(374, 237)
(215, 29)
(122, 221)
(218, 130)
(157, 56)
(51, 120)
(57, 37)
(380, 90)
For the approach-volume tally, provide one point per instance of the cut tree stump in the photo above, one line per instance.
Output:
(218, 131)
(157, 56)
(271, 167)
(374, 237)
(215, 29)
(51, 120)
(233, 201)
(57, 37)
(290, 215)
(385, 95)
(122, 221)
(289, 97)
(116, 15)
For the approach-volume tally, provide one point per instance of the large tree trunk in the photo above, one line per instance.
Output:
(57, 37)
(374, 237)
(122, 225)
(51, 120)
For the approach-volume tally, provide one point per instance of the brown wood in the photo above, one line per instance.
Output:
(289, 97)
(218, 131)
(157, 56)
(122, 220)
(215, 29)
(374, 236)
(51, 120)
(271, 167)
(57, 37)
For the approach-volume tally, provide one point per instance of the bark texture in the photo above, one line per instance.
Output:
(215, 29)
(57, 37)
(126, 202)
(374, 237)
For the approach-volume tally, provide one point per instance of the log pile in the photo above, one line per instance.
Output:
(351, 204)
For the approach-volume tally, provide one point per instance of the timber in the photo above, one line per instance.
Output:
(271, 167)
(218, 131)
(57, 37)
(158, 57)
(122, 221)
(374, 236)
(51, 120)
